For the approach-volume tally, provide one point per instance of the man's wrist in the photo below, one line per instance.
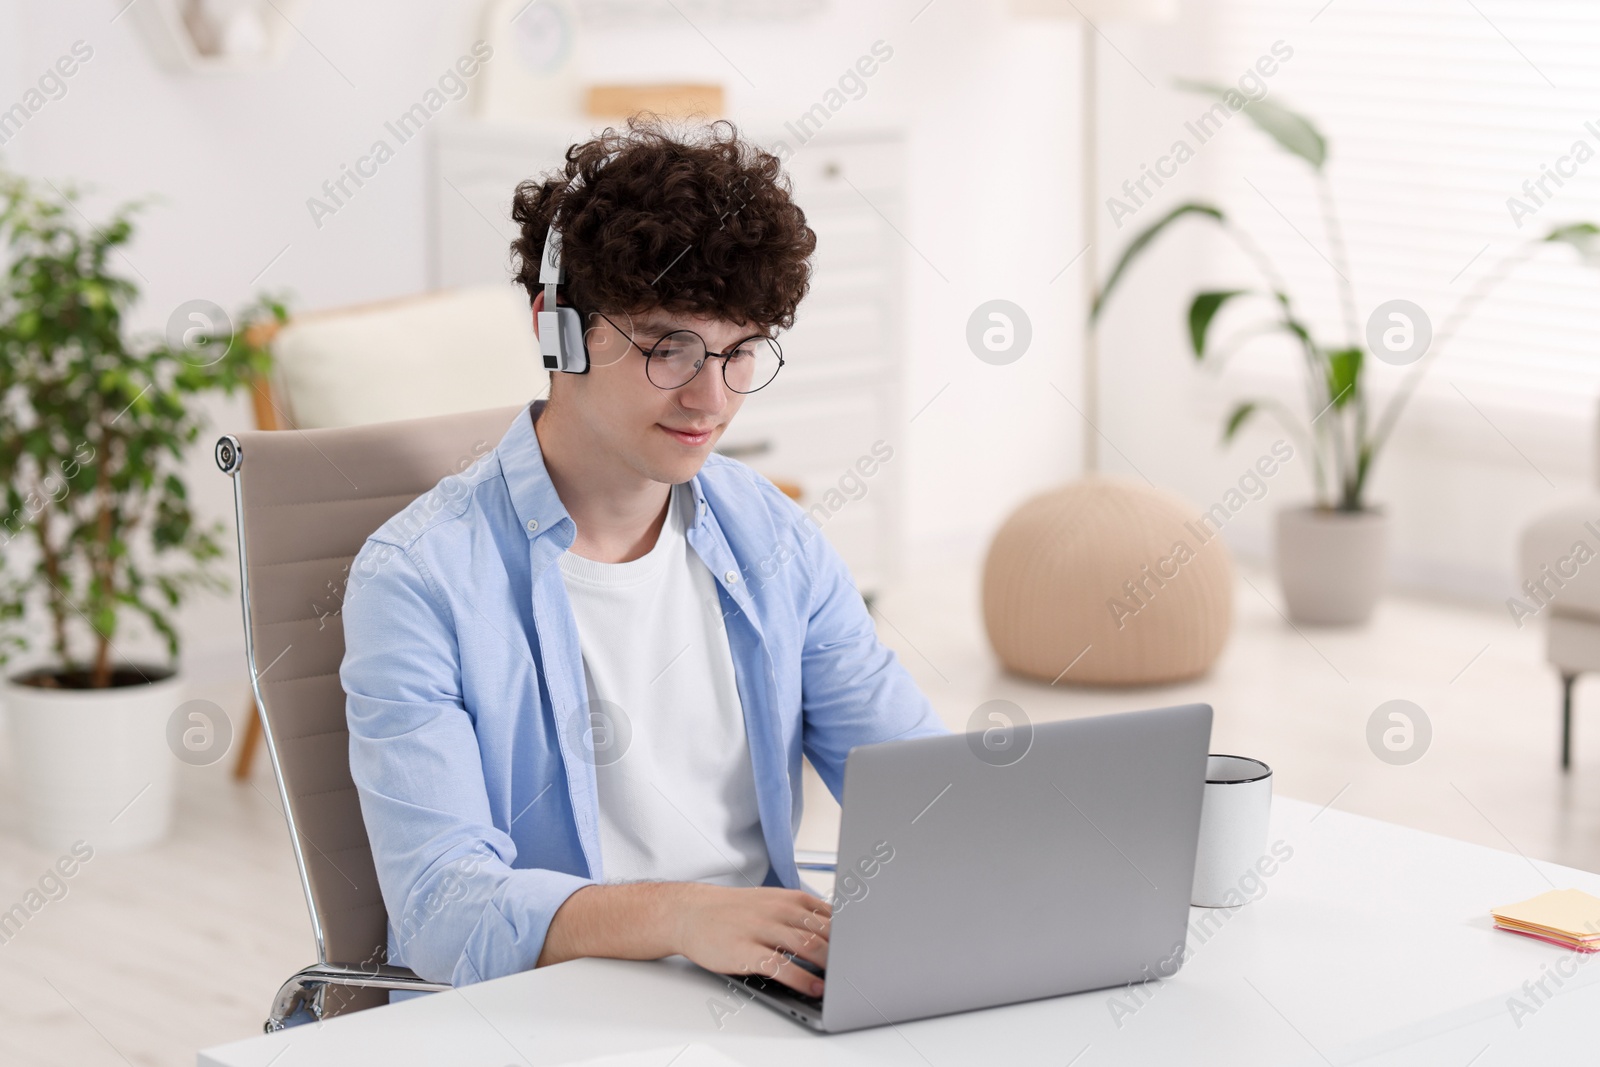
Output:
(670, 903)
(640, 920)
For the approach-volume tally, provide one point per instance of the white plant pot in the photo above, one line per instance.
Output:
(94, 764)
(1331, 564)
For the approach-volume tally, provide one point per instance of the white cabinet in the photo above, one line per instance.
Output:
(834, 421)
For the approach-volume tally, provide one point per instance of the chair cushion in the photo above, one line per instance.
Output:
(1560, 550)
(1572, 643)
(437, 354)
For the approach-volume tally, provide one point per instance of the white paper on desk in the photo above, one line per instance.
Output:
(693, 1054)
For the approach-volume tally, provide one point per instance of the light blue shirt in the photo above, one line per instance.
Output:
(469, 735)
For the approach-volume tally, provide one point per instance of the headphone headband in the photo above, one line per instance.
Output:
(561, 340)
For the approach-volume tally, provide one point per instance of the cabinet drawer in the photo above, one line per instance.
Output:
(826, 168)
(846, 238)
(836, 325)
(804, 438)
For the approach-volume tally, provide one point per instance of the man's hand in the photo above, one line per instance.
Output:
(722, 928)
(754, 931)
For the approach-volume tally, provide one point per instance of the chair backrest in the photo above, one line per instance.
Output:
(435, 353)
(305, 502)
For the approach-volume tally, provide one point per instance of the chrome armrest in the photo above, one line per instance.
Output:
(304, 990)
(809, 859)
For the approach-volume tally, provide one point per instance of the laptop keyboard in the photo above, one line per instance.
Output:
(778, 989)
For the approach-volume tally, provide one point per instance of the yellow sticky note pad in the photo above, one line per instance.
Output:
(1567, 911)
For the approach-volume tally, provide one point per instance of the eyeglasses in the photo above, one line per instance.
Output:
(674, 360)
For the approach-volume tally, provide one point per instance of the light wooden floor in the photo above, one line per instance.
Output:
(154, 955)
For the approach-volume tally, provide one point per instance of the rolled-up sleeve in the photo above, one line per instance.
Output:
(854, 690)
(459, 911)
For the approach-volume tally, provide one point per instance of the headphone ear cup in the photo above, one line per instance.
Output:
(574, 347)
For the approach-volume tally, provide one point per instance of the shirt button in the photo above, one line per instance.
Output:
(533, 524)
(730, 577)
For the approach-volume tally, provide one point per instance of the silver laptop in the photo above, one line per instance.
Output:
(1023, 862)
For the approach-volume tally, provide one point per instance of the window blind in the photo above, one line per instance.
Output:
(1444, 121)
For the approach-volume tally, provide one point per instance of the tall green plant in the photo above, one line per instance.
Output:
(93, 426)
(1338, 434)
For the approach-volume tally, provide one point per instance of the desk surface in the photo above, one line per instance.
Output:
(1371, 944)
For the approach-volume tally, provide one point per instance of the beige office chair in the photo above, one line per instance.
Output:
(305, 502)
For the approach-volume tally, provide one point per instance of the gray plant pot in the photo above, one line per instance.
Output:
(1331, 564)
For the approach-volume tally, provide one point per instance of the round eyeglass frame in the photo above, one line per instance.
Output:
(649, 352)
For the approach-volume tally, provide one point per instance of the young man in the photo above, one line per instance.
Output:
(580, 690)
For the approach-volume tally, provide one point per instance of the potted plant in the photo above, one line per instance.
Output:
(1330, 553)
(92, 427)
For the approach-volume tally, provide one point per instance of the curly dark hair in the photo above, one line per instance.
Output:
(699, 222)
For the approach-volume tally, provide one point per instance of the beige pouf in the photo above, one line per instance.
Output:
(1135, 575)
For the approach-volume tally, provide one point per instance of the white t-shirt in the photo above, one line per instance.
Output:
(672, 760)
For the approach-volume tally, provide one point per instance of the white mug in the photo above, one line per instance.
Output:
(1234, 810)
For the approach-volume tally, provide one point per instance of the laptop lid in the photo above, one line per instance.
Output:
(1029, 861)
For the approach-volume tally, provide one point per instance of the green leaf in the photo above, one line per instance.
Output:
(1293, 131)
(1202, 311)
(1297, 328)
(1584, 236)
(1344, 375)
(1140, 242)
(1574, 231)
(1237, 419)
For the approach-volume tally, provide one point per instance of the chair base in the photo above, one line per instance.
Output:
(306, 990)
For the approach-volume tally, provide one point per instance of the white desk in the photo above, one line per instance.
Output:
(1372, 944)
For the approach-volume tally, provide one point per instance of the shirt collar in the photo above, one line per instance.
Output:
(533, 496)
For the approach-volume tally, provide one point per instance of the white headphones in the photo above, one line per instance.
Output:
(561, 340)
(561, 334)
